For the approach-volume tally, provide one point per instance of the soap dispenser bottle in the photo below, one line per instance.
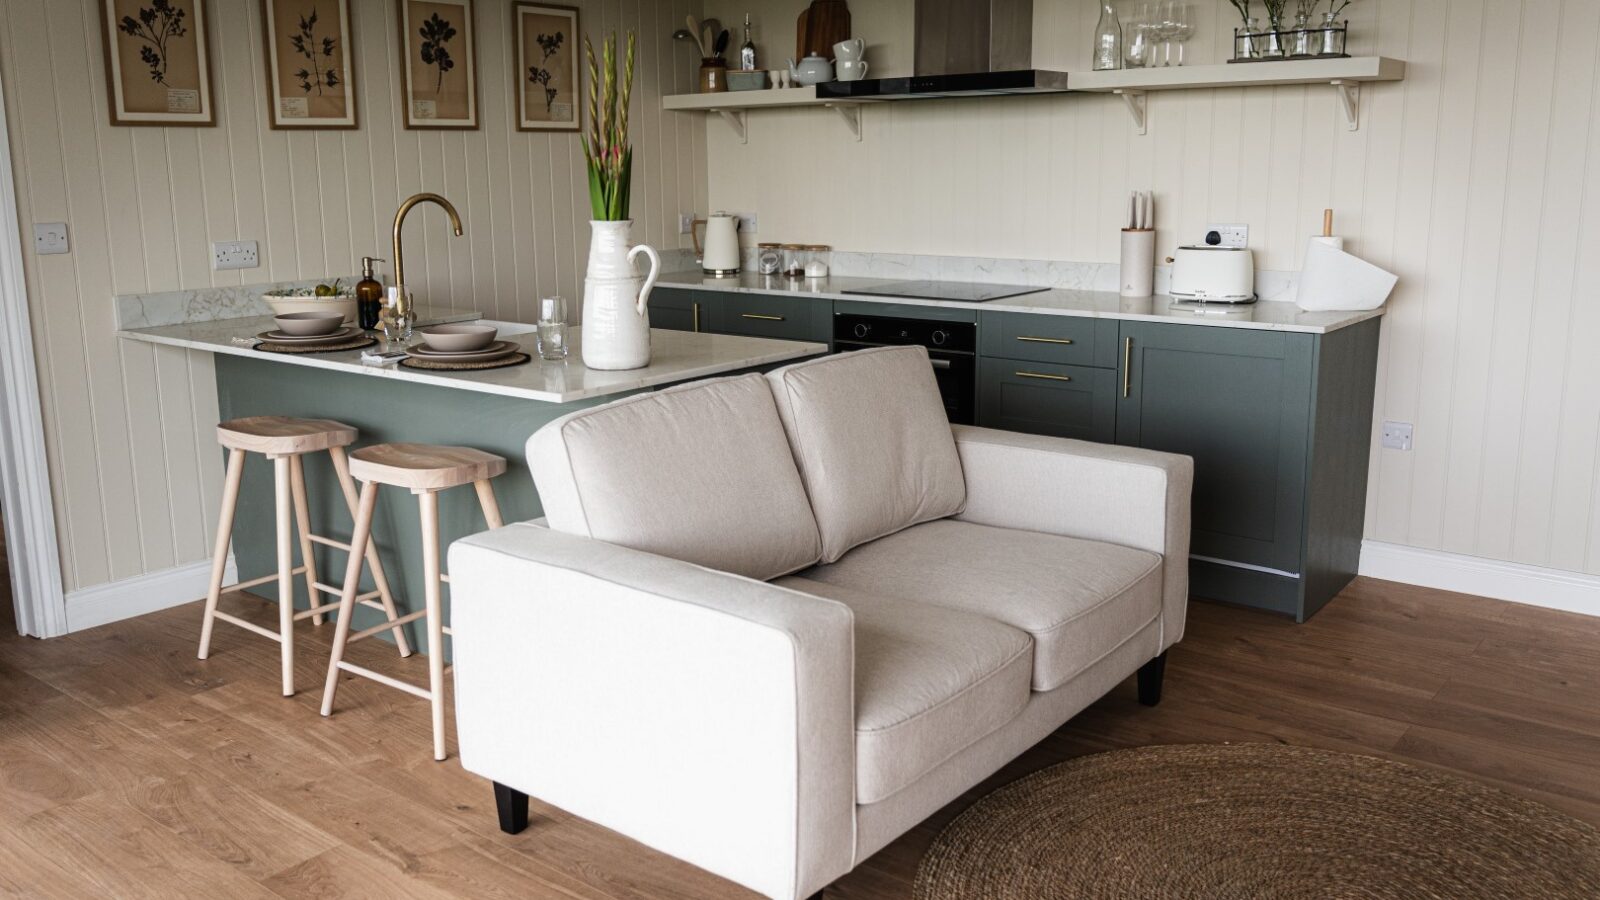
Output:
(369, 294)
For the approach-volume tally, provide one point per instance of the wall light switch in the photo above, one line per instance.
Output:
(234, 255)
(1397, 435)
(50, 237)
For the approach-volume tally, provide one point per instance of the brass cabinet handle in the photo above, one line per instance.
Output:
(697, 316)
(1044, 340)
(1047, 377)
(1127, 366)
(761, 317)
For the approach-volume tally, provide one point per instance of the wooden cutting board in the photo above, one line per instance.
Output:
(820, 26)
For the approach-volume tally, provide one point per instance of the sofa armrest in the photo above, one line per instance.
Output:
(1121, 495)
(705, 714)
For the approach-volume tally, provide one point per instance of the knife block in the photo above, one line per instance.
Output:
(1138, 262)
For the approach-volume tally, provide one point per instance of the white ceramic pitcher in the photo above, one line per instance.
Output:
(616, 326)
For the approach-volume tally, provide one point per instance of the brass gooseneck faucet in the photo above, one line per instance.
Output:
(399, 254)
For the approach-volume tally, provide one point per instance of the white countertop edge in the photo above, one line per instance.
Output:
(349, 362)
(1213, 316)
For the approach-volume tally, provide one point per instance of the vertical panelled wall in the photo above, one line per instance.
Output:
(1477, 179)
(133, 464)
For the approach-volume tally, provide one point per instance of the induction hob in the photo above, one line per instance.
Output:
(953, 291)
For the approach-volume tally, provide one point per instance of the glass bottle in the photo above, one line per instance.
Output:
(369, 295)
(1332, 36)
(747, 50)
(1300, 38)
(1107, 40)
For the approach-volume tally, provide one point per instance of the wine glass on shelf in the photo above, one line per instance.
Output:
(1180, 26)
(1165, 28)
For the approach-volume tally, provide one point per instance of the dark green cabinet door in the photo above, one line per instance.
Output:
(774, 316)
(1043, 398)
(1239, 402)
(680, 309)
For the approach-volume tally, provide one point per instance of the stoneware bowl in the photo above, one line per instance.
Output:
(458, 338)
(310, 324)
(284, 302)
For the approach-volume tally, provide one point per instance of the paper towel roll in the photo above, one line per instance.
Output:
(1138, 262)
(1334, 279)
(1329, 240)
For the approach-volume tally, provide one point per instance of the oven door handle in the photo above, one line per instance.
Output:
(939, 363)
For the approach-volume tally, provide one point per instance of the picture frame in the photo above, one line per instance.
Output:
(438, 50)
(310, 65)
(158, 62)
(547, 82)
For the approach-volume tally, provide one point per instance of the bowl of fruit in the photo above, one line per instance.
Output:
(330, 297)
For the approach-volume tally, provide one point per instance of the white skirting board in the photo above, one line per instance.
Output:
(1516, 582)
(118, 600)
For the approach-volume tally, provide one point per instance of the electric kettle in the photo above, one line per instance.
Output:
(720, 253)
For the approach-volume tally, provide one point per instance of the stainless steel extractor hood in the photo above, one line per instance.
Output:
(963, 48)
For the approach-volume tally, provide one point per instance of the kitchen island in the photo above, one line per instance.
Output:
(494, 410)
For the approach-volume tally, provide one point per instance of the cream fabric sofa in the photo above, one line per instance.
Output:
(776, 621)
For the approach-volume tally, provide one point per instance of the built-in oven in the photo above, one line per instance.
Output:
(952, 350)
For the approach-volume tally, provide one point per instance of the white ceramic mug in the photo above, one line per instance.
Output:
(849, 51)
(852, 69)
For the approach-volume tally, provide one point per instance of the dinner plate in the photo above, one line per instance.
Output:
(493, 351)
(349, 332)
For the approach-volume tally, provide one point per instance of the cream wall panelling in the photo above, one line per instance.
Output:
(1475, 179)
(134, 469)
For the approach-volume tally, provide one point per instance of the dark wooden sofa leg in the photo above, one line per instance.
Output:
(512, 805)
(1150, 675)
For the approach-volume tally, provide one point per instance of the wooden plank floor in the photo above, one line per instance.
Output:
(129, 769)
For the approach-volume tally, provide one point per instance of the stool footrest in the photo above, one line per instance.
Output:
(384, 679)
(248, 626)
(257, 582)
(365, 600)
(386, 626)
(329, 542)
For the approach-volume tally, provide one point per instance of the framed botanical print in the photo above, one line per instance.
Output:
(439, 87)
(158, 65)
(310, 78)
(546, 78)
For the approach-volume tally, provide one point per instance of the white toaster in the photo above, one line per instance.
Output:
(1214, 274)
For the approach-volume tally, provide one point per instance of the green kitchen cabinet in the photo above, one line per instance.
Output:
(1278, 424)
(681, 309)
(774, 316)
(1046, 398)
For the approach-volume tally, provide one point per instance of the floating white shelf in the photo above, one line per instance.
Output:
(1132, 85)
(732, 105)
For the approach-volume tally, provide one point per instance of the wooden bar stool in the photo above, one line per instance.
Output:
(284, 440)
(425, 470)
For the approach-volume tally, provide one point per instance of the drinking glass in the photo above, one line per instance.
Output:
(1166, 28)
(1181, 20)
(552, 328)
(1138, 51)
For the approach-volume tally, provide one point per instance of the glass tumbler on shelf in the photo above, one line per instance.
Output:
(552, 328)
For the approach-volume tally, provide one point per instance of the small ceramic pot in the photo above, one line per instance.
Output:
(713, 76)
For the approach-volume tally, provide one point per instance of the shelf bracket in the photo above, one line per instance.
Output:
(736, 121)
(1136, 102)
(851, 113)
(1350, 93)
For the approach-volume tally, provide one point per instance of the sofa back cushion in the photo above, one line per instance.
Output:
(701, 473)
(873, 443)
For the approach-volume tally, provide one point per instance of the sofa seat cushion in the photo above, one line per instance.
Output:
(872, 441)
(701, 472)
(929, 682)
(1079, 599)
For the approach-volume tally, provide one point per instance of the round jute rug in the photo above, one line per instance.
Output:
(1256, 820)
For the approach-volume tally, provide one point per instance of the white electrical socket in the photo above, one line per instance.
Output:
(50, 237)
(1232, 235)
(1397, 435)
(685, 223)
(234, 255)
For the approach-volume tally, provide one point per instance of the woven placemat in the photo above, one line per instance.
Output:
(515, 359)
(353, 344)
(1256, 820)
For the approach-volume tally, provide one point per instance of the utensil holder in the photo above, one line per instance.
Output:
(1138, 262)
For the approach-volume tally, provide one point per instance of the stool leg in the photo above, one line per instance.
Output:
(219, 554)
(341, 465)
(302, 518)
(429, 501)
(281, 479)
(491, 507)
(352, 586)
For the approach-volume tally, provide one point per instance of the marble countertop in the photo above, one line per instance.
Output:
(1265, 315)
(675, 356)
